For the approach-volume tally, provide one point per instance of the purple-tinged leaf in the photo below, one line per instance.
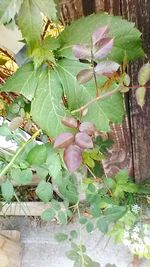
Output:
(64, 140)
(106, 67)
(73, 157)
(140, 96)
(87, 127)
(144, 74)
(70, 122)
(81, 51)
(84, 76)
(99, 34)
(106, 47)
(83, 140)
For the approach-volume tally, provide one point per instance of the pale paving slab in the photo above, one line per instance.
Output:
(41, 249)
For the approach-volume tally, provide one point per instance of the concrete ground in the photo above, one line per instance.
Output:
(41, 250)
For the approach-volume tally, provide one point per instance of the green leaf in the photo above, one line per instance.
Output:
(24, 81)
(53, 163)
(47, 109)
(22, 177)
(7, 190)
(41, 55)
(5, 131)
(60, 237)
(8, 10)
(82, 220)
(44, 191)
(47, 7)
(48, 214)
(56, 205)
(37, 155)
(102, 225)
(30, 22)
(62, 216)
(72, 255)
(68, 188)
(74, 234)
(114, 213)
(101, 112)
(127, 41)
(89, 227)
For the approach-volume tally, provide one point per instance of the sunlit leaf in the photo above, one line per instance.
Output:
(144, 74)
(64, 140)
(61, 237)
(83, 140)
(8, 10)
(47, 7)
(30, 22)
(73, 157)
(37, 155)
(140, 96)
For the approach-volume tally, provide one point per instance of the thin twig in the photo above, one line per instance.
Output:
(81, 109)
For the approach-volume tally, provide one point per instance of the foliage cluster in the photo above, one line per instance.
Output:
(66, 94)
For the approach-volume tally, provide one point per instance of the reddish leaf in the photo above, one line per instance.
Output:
(140, 96)
(81, 51)
(106, 47)
(70, 122)
(83, 140)
(106, 67)
(144, 74)
(99, 34)
(64, 140)
(73, 157)
(87, 127)
(84, 76)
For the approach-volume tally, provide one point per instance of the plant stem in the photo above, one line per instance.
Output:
(81, 109)
(80, 231)
(94, 74)
(20, 149)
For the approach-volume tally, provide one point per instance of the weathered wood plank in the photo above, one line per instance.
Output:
(138, 11)
(24, 209)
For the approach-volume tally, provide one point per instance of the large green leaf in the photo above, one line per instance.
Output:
(47, 7)
(102, 111)
(47, 108)
(30, 22)
(126, 36)
(24, 81)
(8, 10)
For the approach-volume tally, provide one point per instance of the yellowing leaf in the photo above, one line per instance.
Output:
(140, 96)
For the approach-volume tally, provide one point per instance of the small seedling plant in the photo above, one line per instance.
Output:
(66, 92)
